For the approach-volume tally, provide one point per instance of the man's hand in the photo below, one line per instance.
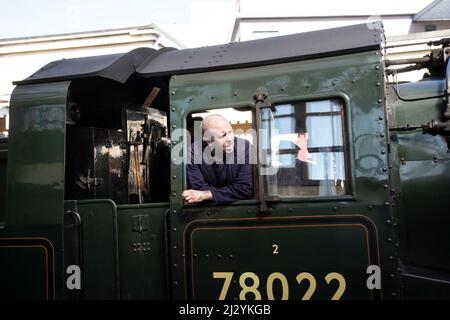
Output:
(193, 196)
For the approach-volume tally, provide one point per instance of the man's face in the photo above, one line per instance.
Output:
(222, 135)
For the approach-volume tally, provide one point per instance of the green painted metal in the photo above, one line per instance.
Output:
(35, 192)
(421, 190)
(36, 155)
(142, 251)
(31, 263)
(395, 214)
(203, 233)
(100, 263)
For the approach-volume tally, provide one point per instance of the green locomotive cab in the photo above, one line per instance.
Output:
(351, 180)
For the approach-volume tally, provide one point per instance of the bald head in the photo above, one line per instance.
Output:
(213, 121)
(217, 130)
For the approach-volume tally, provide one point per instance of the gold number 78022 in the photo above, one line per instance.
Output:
(252, 287)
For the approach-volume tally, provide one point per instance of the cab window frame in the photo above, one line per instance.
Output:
(350, 193)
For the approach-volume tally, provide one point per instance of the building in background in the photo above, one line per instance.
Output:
(20, 57)
(435, 16)
(256, 19)
(412, 23)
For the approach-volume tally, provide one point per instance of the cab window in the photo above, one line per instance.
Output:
(302, 150)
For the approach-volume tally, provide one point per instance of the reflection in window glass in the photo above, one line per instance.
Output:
(303, 146)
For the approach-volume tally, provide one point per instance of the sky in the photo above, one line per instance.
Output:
(192, 22)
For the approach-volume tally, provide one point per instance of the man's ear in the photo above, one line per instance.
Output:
(208, 138)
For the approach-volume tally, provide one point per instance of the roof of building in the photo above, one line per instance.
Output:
(104, 32)
(169, 61)
(437, 10)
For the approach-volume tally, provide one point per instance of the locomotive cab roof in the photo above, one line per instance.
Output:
(148, 62)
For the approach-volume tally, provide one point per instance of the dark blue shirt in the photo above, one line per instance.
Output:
(228, 180)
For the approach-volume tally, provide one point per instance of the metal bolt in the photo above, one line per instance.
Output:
(207, 256)
(174, 194)
(174, 229)
(175, 283)
(195, 255)
(386, 203)
(383, 152)
(391, 258)
(231, 256)
(291, 209)
(219, 256)
(174, 109)
(174, 177)
(172, 93)
(388, 221)
(174, 247)
(384, 169)
(389, 239)
(382, 135)
(370, 207)
(380, 118)
(378, 84)
(392, 275)
(377, 67)
(174, 211)
(175, 265)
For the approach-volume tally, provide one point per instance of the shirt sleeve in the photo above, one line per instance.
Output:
(194, 175)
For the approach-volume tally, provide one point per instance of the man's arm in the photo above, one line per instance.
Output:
(198, 189)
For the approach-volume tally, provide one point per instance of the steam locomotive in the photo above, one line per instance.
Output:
(356, 206)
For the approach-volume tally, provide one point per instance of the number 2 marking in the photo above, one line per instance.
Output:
(275, 249)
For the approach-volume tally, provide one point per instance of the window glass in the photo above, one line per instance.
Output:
(302, 149)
